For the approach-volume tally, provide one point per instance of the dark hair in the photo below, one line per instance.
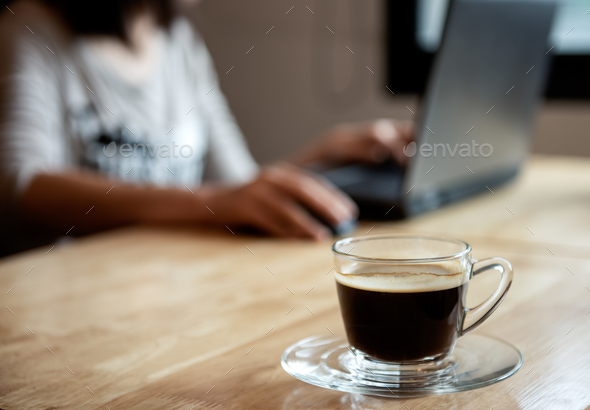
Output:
(109, 17)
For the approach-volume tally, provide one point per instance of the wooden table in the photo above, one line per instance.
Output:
(152, 319)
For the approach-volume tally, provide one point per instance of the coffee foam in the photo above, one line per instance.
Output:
(404, 279)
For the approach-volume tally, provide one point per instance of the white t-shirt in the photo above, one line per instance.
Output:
(63, 107)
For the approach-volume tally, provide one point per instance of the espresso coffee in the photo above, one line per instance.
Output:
(402, 316)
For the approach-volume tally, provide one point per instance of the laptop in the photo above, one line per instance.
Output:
(476, 118)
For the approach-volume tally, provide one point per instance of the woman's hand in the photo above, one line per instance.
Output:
(280, 201)
(372, 142)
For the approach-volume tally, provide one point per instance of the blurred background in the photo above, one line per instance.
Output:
(312, 78)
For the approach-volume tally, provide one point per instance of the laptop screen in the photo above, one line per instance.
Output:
(481, 98)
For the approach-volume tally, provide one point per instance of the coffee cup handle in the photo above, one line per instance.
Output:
(478, 314)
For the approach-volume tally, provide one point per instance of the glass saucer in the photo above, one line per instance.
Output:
(326, 361)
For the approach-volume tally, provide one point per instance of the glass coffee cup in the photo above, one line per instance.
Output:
(403, 299)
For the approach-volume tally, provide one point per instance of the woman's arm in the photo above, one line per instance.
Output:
(58, 201)
(228, 158)
(276, 201)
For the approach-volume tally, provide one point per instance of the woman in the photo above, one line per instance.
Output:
(112, 115)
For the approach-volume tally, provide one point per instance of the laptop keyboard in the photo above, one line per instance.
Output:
(382, 183)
